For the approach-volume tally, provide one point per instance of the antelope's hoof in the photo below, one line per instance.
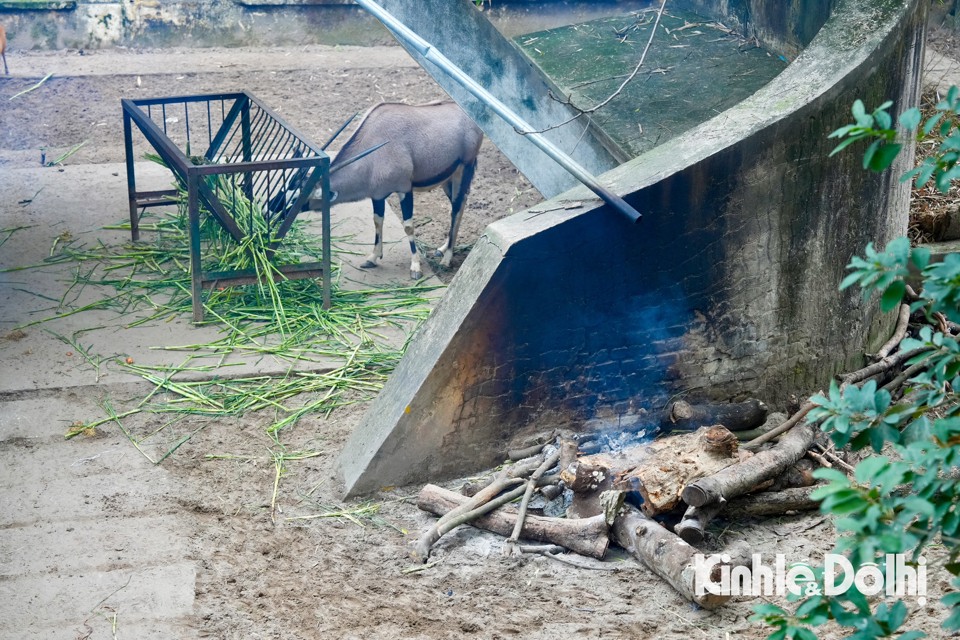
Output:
(415, 275)
(368, 264)
(437, 253)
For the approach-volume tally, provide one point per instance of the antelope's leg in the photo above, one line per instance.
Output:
(406, 210)
(377, 253)
(457, 189)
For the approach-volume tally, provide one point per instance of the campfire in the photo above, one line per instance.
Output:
(653, 497)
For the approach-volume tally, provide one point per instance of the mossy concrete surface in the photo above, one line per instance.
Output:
(695, 67)
(726, 288)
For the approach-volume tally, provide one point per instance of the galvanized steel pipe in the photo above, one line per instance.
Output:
(429, 52)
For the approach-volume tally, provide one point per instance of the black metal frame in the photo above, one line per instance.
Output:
(273, 165)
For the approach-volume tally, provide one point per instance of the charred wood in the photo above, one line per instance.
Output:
(737, 416)
(586, 536)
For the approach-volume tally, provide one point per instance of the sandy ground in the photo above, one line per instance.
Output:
(97, 542)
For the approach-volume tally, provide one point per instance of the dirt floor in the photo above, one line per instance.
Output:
(97, 542)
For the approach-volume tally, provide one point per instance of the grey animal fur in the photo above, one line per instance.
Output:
(430, 145)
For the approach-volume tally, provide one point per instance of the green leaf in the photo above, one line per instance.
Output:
(767, 609)
(869, 468)
(910, 118)
(885, 155)
(843, 145)
(831, 475)
(870, 152)
(920, 257)
(859, 111)
(892, 296)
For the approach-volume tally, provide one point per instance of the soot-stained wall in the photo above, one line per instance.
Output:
(727, 287)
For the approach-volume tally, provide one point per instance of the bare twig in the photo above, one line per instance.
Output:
(606, 101)
(472, 507)
(822, 461)
(776, 431)
(880, 366)
(905, 375)
(546, 465)
(561, 554)
(828, 452)
(899, 333)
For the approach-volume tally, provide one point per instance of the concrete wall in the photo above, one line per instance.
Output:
(93, 24)
(473, 44)
(727, 288)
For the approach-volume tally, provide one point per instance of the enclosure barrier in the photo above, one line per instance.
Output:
(254, 175)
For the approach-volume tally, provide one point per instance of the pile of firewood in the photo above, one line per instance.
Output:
(654, 498)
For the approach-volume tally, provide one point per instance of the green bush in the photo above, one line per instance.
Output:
(908, 501)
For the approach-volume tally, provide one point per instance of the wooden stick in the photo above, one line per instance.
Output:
(504, 480)
(820, 459)
(776, 431)
(881, 366)
(663, 553)
(905, 375)
(525, 501)
(774, 503)
(828, 452)
(693, 527)
(899, 333)
(586, 536)
(561, 554)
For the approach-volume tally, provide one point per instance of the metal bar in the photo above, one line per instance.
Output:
(325, 229)
(196, 275)
(306, 190)
(203, 97)
(245, 140)
(213, 279)
(225, 128)
(209, 127)
(131, 177)
(296, 132)
(429, 52)
(171, 154)
(186, 121)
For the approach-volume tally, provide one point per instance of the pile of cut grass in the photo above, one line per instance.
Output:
(364, 332)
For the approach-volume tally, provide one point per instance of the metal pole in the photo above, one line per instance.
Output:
(429, 52)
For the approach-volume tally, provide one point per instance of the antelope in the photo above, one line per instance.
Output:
(3, 49)
(427, 146)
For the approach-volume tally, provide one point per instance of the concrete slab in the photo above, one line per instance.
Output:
(50, 207)
(133, 571)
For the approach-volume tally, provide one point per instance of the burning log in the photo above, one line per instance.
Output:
(736, 416)
(743, 477)
(586, 536)
(658, 470)
(665, 554)
(674, 462)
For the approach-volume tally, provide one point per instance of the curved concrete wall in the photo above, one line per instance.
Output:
(728, 286)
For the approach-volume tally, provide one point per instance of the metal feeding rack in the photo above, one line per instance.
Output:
(251, 164)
